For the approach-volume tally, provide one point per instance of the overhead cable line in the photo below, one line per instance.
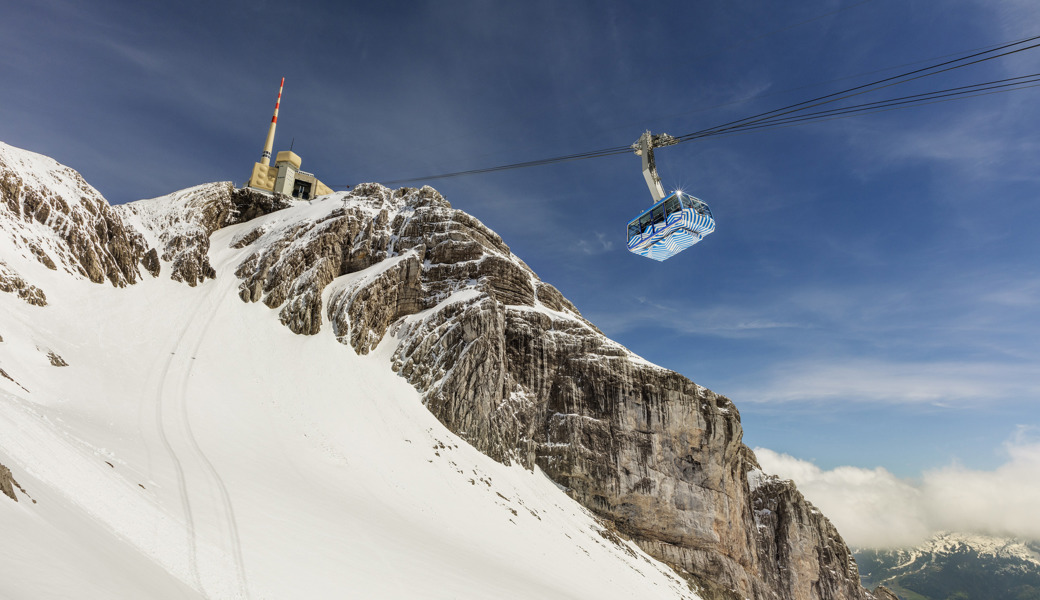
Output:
(770, 126)
(835, 80)
(522, 165)
(919, 98)
(789, 115)
(982, 89)
(868, 87)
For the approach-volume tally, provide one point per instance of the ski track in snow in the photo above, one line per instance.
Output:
(225, 497)
(182, 488)
(183, 355)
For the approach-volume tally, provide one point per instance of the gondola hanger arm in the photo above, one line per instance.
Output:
(644, 147)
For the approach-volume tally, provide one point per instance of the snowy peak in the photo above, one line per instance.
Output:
(47, 177)
(180, 224)
(194, 447)
(51, 217)
(955, 565)
(982, 545)
(356, 237)
(508, 364)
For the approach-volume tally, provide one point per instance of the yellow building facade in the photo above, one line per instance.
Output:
(286, 178)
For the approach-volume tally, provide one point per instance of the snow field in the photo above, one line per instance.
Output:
(249, 462)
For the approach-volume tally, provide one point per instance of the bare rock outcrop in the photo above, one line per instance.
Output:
(505, 361)
(792, 531)
(11, 282)
(55, 359)
(181, 223)
(85, 236)
(8, 484)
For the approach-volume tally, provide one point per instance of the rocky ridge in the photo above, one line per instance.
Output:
(984, 545)
(510, 365)
(958, 565)
(51, 215)
(180, 224)
(500, 357)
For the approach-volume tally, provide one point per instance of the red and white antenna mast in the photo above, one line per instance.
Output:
(265, 158)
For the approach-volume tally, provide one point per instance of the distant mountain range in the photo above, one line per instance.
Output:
(954, 566)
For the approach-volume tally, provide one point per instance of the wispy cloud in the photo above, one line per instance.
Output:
(1013, 17)
(874, 508)
(893, 382)
(1022, 293)
(947, 341)
(953, 333)
(715, 321)
(980, 145)
(978, 141)
(947, 308)
(601, 244)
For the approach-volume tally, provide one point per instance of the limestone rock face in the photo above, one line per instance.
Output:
(57, 219)
(8, 484)
(180, 224)
(499, 356)
(505, 361)
(12, 283)
(791, 531)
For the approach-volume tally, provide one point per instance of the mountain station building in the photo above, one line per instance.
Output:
(285, 177)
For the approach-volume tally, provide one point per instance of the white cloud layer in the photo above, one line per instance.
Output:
(891, 382)
(872, 508)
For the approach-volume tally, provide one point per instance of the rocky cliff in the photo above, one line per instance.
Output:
(178, 225)
(510, 365)
(52, 215)
(500, 357)
(49, 213)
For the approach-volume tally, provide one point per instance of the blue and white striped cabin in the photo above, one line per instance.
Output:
(670, 226)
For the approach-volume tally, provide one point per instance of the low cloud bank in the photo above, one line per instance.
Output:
(882, 382)
(872, 508)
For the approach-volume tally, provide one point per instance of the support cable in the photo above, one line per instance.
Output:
(793, 114)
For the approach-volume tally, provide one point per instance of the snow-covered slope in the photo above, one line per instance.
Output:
(175, 442)
(983, 545)
(363, 395)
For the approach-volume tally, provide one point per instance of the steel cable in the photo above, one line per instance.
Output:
(791, 115)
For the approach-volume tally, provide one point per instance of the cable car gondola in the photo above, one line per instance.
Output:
(672, 224)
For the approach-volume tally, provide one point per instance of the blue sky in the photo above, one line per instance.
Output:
(870, 295)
